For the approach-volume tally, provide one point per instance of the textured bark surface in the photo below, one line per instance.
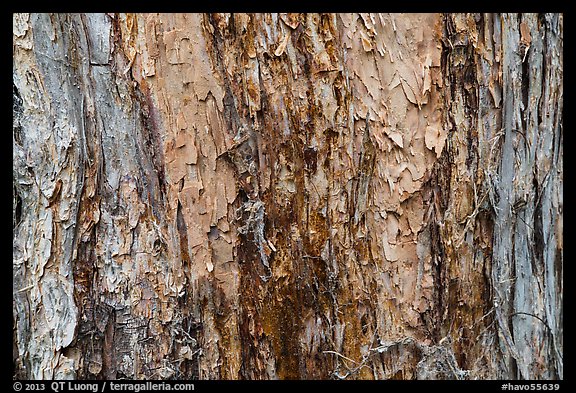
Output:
(287, 196)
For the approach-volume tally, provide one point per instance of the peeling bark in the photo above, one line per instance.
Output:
(288, 196)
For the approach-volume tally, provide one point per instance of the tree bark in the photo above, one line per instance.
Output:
(288, 196)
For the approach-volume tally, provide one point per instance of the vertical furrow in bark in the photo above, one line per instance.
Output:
(522, 184)
(547, 137)
(464, 221)
(48, 164)
(505, 219)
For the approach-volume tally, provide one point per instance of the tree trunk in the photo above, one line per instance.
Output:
(291, 196)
